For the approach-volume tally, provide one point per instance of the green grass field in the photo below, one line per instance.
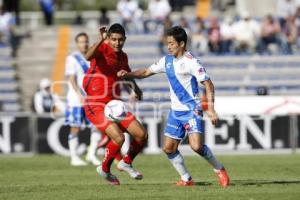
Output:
(269, 177)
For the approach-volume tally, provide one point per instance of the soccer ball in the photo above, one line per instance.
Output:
(115, 110)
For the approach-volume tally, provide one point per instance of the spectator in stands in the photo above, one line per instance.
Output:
(7, 25)
(104, 19)
(270, 34)
(285, 8)
(214, 36)
(297, 22)
(176, 5)
(47, 7)
(247, 32)
(161, 44)
(227, 35)
(78, 20)
(13, 6)
(46, 102)
(183, 22)
(199, 37)
(131, 15)
(159, 10)
(290, 34)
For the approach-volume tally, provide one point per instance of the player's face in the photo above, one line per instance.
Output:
(116, 41)
(174, 48)
(83, 44)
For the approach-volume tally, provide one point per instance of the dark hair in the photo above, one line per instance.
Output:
(116, 28)
(178, 33)
(79, 35)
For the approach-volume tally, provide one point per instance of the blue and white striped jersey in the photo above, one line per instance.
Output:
(184, 74)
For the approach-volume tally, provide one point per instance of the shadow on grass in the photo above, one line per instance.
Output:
(263, 182)
(232, 184)
(198, 183)
(202, 183)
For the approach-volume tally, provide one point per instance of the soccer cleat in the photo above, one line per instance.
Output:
(103, 142)
(122, 166)
(185, 183)
(111, 179)
(93, 159)
(223, 177)
(76, 161)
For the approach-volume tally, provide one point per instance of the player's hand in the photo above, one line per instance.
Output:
(213, 116)
(122, 73)
(82, 99)
(138, 94)
(103, 33)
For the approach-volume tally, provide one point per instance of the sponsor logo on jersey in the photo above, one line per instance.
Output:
(169, 65)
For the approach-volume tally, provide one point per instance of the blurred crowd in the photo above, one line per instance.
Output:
(276, 33)
(10, 36)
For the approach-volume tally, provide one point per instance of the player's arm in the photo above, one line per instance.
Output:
(158, 67)
(130, 76)
(198, 71)
(137, 92)
(74, 85)
(91, 52)
(210, 95)
(70, 73)
(137, 74)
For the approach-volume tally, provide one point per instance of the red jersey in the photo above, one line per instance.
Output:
(101, 82)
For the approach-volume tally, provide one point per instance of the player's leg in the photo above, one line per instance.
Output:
(139, 134)
(196, 143)
(92, 150)
(112, 150)
(96, 115)
(73, 119)
(103, 143)
(176, 159)
(174, 133)
(73, 142)
(117, 139)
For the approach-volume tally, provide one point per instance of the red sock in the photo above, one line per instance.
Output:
(119, 156)
(134, 148)
(111, 151)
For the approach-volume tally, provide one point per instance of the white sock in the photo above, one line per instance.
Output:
(94, 139)
(178, 163)
(73, 144)
(209, 156)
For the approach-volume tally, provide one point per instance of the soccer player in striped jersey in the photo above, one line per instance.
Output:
(184, 73)
(76, 67)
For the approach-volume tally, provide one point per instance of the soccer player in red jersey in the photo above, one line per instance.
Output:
(102, 85)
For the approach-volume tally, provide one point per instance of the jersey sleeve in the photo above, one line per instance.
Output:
(198, 71)
(70, 66)
(159, 67)
(100, 50)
